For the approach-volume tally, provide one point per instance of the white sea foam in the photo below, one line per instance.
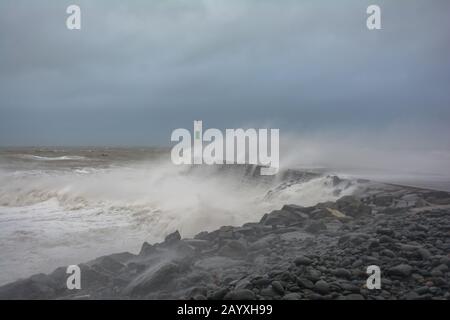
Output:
(41, 158)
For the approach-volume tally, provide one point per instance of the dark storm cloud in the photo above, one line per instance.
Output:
(139, 69)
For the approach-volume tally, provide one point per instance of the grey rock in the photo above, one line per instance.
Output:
(264, 242)
(233, 248)
(422, 290)
(173, 238)
(108, 264)
(386, 232)
(241, 294)
(197, 243)
(383, 200)
(278, 287)
(305, 283)
(281, 217)
(261, 282)
(316, 227)
(342, 273)
(402, 270)
(353, 207)
(37, 287)
(322, 287)
(411, 296)
(350, 287)
(218, 294)
(388, 253)
(268, 292)
(292, 296)
(302, 261)
(147, 249)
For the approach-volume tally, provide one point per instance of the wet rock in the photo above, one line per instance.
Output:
(134, 267)
(242, 294)
(424, 253)
(305, 283)
(108, 264)
(353, 207)
(342, 273)
(172, 238)
(315, 296)
(264, 242)
(278, 287)
(411, 296)
(302, 261)
(218, 294)
(233, 248)
(354, 238)
(383, 200)
(388, 253)
(281, 217)
(243, 284)
(216, 263)
(386, 232)
(299, 210)
(93, 277)
(350, 287)
(268, 293)
(37, 287)
(401, 270)
(422, 290)
(295, 236)
(316, 227)
(292, 296)
(261, 282)
(322, 287)
(198, 243)
(147, 249)
(438, 197)
(198, 291)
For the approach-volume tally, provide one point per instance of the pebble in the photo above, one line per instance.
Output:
(322, 287)
(402, 270)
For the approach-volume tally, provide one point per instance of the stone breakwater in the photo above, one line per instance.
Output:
(319, 252)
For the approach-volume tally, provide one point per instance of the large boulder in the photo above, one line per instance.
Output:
(352, 206)
(172, 238)
(39, 286)
(233, 249)
(401, 270)
(282, 217)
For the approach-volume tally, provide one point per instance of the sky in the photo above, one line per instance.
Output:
(139, 69)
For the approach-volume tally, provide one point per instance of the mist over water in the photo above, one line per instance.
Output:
(410, 154)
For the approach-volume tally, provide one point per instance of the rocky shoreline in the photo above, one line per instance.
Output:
(318, 252)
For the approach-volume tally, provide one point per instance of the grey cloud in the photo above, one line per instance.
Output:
(139, 69)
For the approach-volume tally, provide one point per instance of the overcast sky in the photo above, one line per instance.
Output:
(139, 69)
